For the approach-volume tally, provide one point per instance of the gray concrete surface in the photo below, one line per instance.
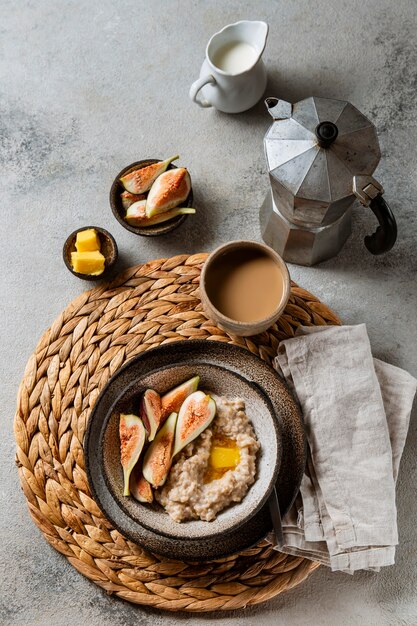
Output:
(87, 87)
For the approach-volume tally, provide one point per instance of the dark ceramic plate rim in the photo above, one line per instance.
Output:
(107, 267)
(247, 540)
(151, 231)
(263, 500)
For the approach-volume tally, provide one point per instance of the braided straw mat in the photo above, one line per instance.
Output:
(100, 330)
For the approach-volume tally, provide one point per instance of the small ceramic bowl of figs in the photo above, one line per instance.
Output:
(152, 197)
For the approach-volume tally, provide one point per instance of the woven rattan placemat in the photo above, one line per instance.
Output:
(99, 331)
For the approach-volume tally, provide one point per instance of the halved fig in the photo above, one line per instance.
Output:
(168, 191)
(132, 439)
(158, 457)
(172, 401)
(130, 198)
(196, 413)
(140, 489)
(142, 179)
(151, 412)
(136, 215)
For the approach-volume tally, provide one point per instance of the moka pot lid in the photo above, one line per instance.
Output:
(315, 147)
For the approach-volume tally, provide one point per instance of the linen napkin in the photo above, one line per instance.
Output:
(356, 412)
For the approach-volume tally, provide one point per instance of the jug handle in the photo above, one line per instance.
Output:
(197, 85)
(369, 192)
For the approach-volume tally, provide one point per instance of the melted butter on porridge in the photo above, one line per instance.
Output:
(224, 456)
(216, 469)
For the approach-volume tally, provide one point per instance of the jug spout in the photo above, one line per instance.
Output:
(258, 34)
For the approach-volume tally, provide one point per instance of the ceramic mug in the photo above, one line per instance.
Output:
(233, 75)
(209, 275)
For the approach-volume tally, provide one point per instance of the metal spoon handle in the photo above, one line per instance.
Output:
(276, 518)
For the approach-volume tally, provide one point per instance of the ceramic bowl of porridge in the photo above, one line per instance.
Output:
(203, 496)
(196, 500)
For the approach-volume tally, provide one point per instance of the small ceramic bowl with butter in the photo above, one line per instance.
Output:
(244, 287)
(90, 253)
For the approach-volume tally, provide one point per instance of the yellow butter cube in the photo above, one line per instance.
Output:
(87, 240)
(224, 457)
(90, 262)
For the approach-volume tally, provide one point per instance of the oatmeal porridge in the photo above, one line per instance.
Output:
(197, 486)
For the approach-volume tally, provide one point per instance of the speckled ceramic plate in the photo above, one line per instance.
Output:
(276, 420)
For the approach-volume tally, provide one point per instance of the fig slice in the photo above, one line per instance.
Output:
(168, 191)
(132, 439)
(151, 412)
(140, 489)
(196, 413)
(158, 457)
(130, 198)
(136, 215)
(172, 400)
(142, 179)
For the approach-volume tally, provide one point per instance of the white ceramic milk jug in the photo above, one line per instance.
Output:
(233, 76)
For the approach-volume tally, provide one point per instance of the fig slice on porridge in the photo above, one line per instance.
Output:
(158, 457)
(151, 412)
(196, 413)
(132, 439)
(172, 400)
(140, 489)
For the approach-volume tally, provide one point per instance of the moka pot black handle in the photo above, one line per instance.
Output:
(385, 235)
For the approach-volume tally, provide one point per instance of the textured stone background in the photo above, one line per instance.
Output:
(87, 87)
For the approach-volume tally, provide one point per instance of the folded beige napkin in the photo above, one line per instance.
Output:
(356, 412)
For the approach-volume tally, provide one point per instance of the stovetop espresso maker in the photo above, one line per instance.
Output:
(321, 154)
